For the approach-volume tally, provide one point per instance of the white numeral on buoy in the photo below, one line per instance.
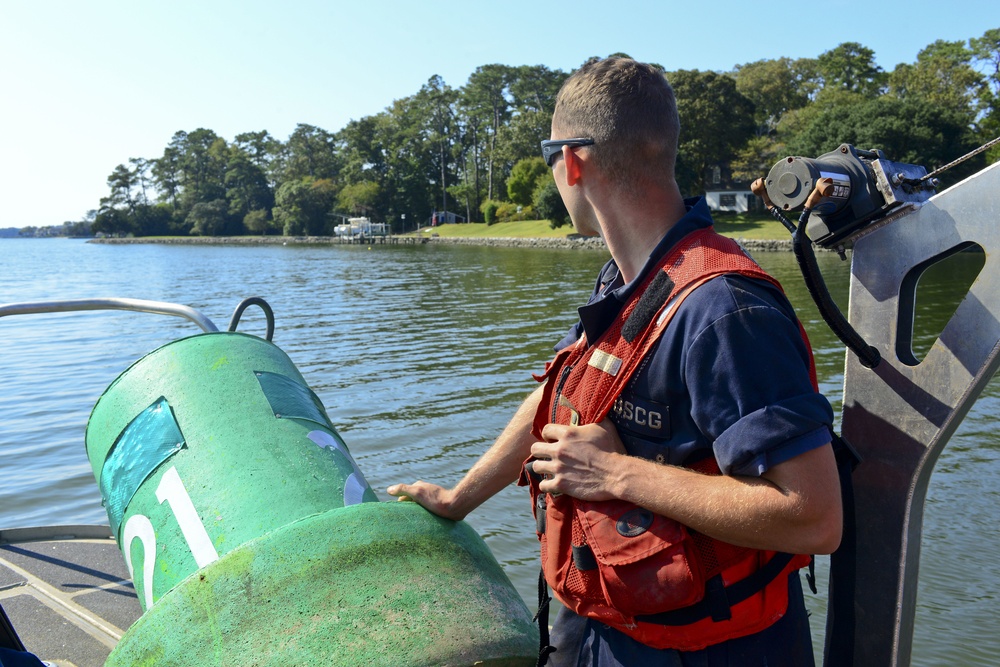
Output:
(171, 489)
(139, 526)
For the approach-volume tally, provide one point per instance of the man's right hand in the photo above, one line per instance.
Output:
(432, 497)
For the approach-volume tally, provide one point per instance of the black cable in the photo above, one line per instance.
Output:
(802, 246)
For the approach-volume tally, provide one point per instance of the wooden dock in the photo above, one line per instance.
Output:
(380, 240)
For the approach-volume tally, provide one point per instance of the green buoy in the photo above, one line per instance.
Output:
(253, 538)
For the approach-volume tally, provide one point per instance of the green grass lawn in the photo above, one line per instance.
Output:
(530, 229)
(748, 226)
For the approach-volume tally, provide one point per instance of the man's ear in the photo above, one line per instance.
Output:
(574, 166)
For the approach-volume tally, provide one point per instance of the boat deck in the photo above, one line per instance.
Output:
(67, 592)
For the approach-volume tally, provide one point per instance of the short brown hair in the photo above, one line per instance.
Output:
(628, 109)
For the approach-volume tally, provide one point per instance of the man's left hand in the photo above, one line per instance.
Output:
(578, 461)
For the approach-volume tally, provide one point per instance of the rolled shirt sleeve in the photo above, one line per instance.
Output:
(747, 373)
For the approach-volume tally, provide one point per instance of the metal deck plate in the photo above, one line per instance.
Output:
(70, 600)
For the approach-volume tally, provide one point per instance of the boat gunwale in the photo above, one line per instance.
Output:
(54, 533)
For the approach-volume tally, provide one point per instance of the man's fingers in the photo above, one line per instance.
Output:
(539, 467)
(552, 432)
(403, 491)
(429, 496)
(542, 450)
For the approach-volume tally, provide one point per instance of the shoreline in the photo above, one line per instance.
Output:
(570, 242)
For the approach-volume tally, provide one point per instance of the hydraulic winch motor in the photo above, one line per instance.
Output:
(866, 186)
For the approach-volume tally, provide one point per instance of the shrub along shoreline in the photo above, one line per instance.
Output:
(754, 232)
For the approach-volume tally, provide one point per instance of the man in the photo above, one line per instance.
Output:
(668, 379)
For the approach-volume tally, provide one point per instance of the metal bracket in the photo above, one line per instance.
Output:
(900, 415)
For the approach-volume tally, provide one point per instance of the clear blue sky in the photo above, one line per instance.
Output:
(87, 84)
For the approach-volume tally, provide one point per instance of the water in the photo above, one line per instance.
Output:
(421, 354)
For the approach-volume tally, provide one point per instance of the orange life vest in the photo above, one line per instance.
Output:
(646, 575)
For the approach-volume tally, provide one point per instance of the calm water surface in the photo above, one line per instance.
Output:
(420, 355)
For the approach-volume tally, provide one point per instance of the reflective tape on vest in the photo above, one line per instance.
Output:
(603, 361)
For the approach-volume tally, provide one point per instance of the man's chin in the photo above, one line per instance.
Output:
(585, 232)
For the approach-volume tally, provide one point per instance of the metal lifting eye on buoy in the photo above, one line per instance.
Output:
(253, 301)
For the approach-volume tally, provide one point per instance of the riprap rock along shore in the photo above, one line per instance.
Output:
(576, 242)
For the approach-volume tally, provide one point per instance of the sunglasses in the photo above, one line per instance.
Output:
(553, 147)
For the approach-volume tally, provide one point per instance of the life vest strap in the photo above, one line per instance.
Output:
(738, 592)
(542, 617)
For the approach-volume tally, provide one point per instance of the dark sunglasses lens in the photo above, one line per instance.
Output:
(549, 152)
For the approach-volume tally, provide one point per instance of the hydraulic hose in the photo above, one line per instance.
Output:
(759, 189)
(802, 246)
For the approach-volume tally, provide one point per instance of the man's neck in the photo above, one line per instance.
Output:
(632, 228)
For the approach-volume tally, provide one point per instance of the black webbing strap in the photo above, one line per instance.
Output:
(840, 615)
(736, 593)
(542, 616)
(811, 575)
(9, 638)
(717, 600)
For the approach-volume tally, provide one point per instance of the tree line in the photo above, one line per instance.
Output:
(473, 151)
